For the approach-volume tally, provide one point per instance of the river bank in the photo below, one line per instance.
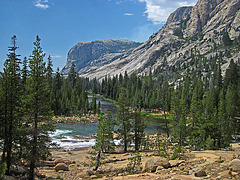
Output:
(212, 164)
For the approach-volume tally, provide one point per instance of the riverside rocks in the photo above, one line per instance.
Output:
(114, 166)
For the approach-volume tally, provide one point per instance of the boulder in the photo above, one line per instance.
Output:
(152, 164)
(174, 163)
(61, 166)
(200, 173)
(234, 165)
(60, 160)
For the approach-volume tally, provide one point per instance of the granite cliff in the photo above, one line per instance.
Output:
(87, 56)
(195, 30)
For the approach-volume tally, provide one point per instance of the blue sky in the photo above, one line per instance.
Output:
(63, 23)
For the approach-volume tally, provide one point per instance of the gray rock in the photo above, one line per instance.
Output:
(88, 55)
(209, 18)
(200, 173)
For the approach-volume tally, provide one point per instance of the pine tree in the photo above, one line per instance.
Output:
(10, 103)
(224, 128)
(178, 108)
(72, 76)
(232, 107)
(38, 106)
(104, 138)
(123, 118)
(24, 70)
(49, 70)
(138, 127)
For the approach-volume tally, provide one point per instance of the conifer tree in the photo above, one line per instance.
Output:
(72, 76)
(138, 127)
(10, 103)
(38, 107)
(104, 138)
(49, 70)
(123, 118)
(24, 70)
(179, 110)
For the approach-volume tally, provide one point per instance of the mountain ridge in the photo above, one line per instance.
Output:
(89, 55)
(188, 30)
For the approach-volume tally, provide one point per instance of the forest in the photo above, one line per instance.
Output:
(200, 104)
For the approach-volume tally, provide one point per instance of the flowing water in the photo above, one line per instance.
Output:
(77, 135)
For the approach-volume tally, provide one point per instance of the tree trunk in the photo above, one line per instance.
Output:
(166, 123)
(34, 150)
(97, 160)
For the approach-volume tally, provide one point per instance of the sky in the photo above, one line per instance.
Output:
(63, 23)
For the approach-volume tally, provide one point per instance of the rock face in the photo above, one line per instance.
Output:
(87, 56)
(188, 30)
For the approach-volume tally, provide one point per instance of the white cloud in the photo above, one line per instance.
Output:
(128, 14)
(56, 56)
(43, 4)
(158, 10)
(142, 33)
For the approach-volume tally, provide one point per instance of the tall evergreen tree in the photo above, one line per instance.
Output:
(24, 70)
(10, 102)
(72, 76)
(49, 70)
(138, 128)
(38, 107)
(104, 138)
(123, 118)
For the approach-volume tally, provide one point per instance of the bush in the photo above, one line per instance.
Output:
(3, 168)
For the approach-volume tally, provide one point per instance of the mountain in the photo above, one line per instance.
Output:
(209, 28)
(88, 56)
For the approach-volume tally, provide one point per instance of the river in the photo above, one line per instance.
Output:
(75, 135)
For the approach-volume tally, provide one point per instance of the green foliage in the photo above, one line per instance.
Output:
(226, 39)
(123, 119)
(178, 32)
(178, 152)
(104, 137)
(104, 141)
(38, 106)
(220, 160)
(134, 164)
(3, 168)
(11, 103)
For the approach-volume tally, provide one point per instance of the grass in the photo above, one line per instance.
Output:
(156, 115)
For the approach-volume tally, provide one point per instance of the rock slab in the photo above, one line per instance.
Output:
(61, 166)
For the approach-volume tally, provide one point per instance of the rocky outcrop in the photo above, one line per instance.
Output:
(188, 30)
(152, 164)
(61, 166)
(87, 56)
